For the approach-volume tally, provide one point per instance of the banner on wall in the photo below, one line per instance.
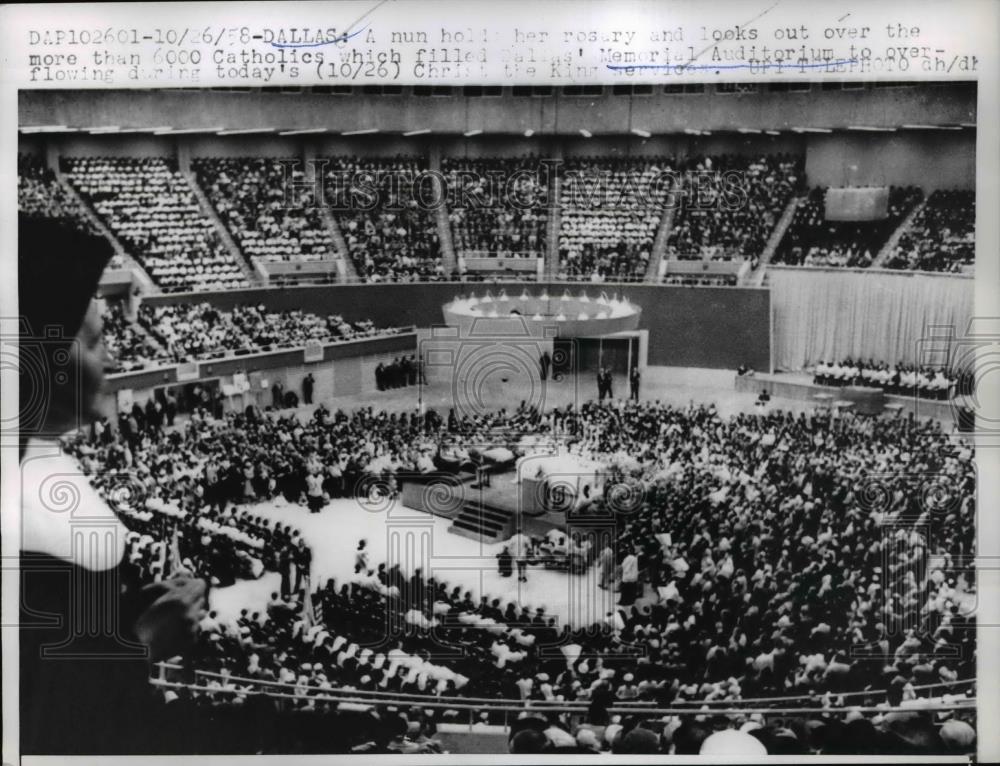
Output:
(241, 382)
(870, 203)
(187, 371)
(313, 351)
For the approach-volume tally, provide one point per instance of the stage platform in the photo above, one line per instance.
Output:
(488, 514)
(800, 387)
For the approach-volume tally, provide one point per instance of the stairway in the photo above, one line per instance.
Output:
(479, 520)
(449, 260)
(345, 266)
(225, 237)
(756, 277)
(660, 242)
(904, 226)
(554, 223)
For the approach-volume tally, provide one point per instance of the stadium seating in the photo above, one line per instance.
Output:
(731, 205)
(129, 348)
(251, 198)
(390, 235)
(150, 206)
(201, 331)
(811, 240)
(498, 206)
(941, 237)
(40, 194)
(610, 212)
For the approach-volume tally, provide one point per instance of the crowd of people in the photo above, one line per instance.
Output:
(726, 208)
(129, 347)
(151, 207)
(610, 212)
(266, 204)
(498, 206)
(731, 204)
(812, 240)
(713, 280)
(906, 379)
(400, 372)
(764, 556)
(390, 235)
(942, 236)
(40, 194)
(202, 331)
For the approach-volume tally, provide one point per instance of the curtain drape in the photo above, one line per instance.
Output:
(829, 314)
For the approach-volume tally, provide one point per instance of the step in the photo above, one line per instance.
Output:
(474, 516)
(486, 513)
(491, 532)
(468, 523)
(475, 534)
(479, 537)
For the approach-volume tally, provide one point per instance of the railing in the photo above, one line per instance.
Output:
(502, 255)
(755, 705)
(244, 354)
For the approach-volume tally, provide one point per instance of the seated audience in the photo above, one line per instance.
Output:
(811, 240)
(610, 212)
(498, 206)
(382, 210)
(908, 380)
(201, 331)
(253, 196)
(731, 204)
(942, 236)
(151, 207)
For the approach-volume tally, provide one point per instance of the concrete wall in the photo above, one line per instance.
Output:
(930, 159)
(560, 114)
(715, 327)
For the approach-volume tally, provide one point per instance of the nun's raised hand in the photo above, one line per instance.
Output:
(170, 623)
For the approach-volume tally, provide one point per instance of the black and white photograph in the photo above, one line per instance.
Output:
(410, 413)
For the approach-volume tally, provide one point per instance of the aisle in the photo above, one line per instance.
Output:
(333, 535)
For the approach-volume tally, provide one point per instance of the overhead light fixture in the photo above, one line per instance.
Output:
(362, 132)
(102, 129)
(642, 133)
(47, 129)
(585, 133)
(706, 132)
(871, 128)
(812, 130)
(471, 133)
(968, 124)
(773, 132)
(242, 131)
(418, 132)
(931, 127)
(186, 131)
(301, 131)
(219, 131)
(692, 131)
(529, 133)
(748, 130)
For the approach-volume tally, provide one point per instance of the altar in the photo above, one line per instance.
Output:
(557, 483)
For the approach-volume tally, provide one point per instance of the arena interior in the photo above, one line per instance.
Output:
(539, 420)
